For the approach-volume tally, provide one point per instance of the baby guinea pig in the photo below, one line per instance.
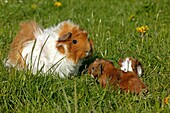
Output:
(106, 72)
(132, 65)
(103, 70)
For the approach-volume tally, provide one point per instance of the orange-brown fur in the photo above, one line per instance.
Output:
(105, 71)
(76, 51)
(128, 81)
(25, 34)
(60, 49)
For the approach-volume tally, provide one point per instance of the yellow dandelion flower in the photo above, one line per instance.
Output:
(34, 6)
(166, 100)
(142, 29)
(57, 4)
(139, 29)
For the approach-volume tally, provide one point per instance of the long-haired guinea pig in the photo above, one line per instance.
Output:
(132, 65)
(106, 72)
(60, 49)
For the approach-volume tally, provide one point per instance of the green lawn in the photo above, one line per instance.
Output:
(112, 25)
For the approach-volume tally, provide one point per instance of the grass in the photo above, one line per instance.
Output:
(112, 25)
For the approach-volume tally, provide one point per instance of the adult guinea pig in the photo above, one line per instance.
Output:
(106, 73)
(59, 49)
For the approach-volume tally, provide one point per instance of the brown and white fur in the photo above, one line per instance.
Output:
(130, 64)
(106, 72)
(60, 49)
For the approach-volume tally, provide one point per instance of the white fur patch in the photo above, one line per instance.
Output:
(139, 71)
(127, 65)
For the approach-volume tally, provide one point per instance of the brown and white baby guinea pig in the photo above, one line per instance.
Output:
(132, 65)
(106, 72)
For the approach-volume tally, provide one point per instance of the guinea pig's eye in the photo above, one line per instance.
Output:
(92, 68)
(74, 41)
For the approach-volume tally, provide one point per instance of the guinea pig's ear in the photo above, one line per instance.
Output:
(120, 62)
(65, 37)
(137, 62)
(100, 69)
(139, 68)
